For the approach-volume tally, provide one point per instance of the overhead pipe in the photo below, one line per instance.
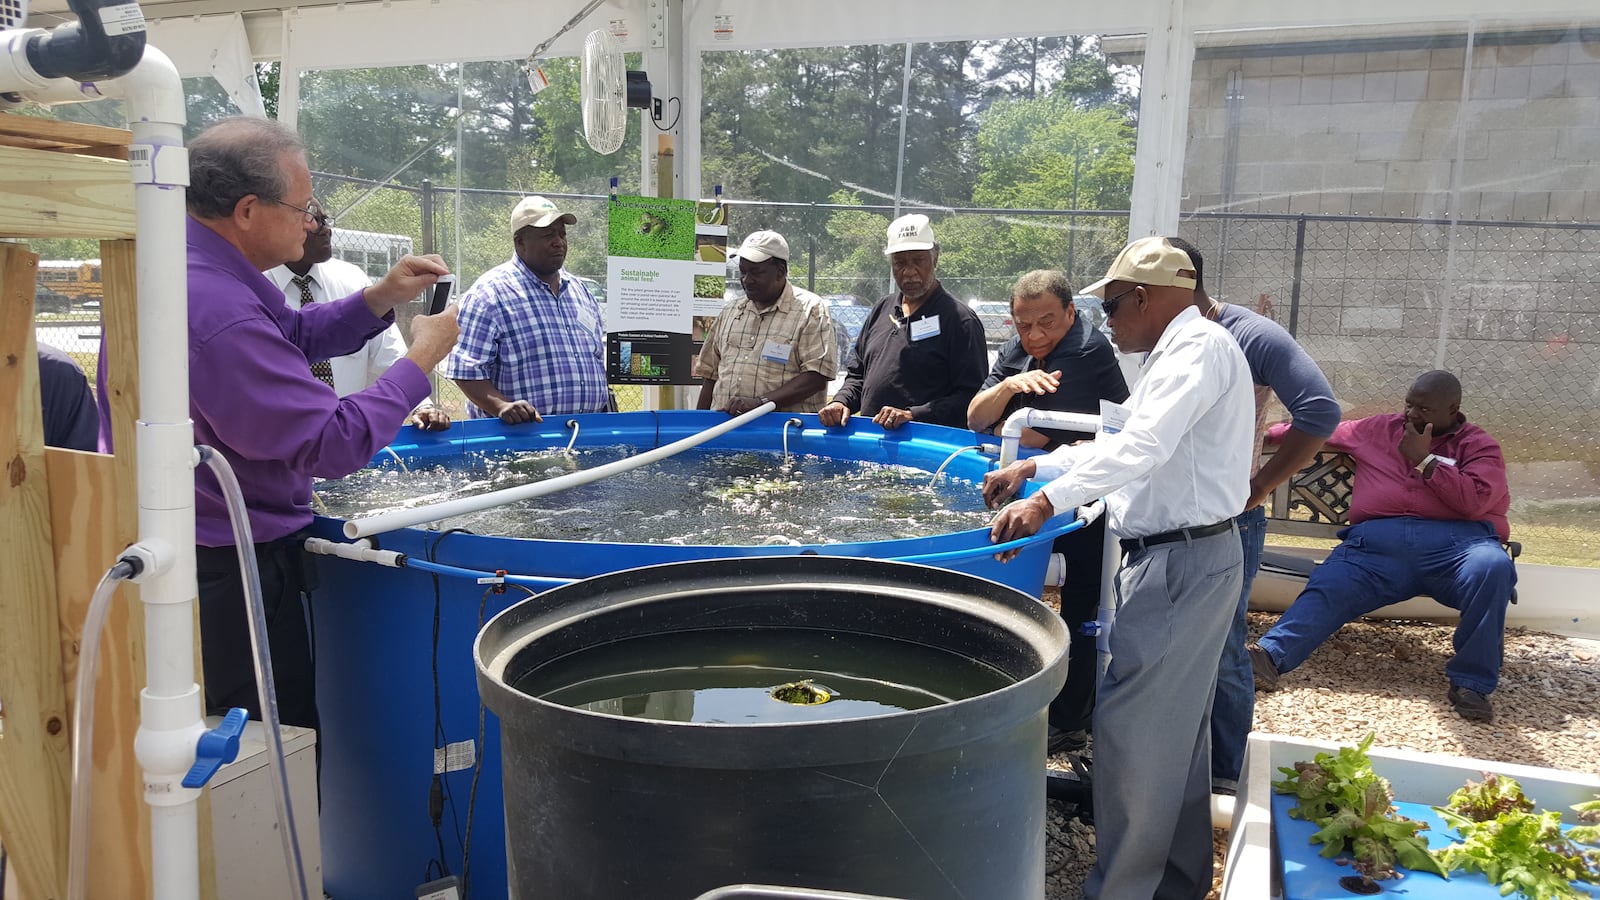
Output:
(405, 518)
(1027, 417)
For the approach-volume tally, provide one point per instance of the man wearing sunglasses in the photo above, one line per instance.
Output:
(1278, 366)
(316, 277)
(1174, 474)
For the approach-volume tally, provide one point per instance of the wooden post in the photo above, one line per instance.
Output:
(34, 749)
(666, 394)
(63, 179)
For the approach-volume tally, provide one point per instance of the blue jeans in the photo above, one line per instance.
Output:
(1233, 706)
(1384, 561)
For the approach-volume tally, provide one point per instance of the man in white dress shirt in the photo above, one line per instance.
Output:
(317, 278)
(1174, 476)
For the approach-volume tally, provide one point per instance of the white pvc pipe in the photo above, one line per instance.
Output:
(1027, 417)
(360, 551)
(405, 518)
(170, 705)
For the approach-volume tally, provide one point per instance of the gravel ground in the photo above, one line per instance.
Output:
(1388, 678)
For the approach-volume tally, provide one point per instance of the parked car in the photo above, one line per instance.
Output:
(849, 313)
(996, 317)
(1093, 310)
(596, 289)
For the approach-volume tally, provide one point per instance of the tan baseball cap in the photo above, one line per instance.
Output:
(538, 212)
(1149, 260)
(910, 232)
(760, 246)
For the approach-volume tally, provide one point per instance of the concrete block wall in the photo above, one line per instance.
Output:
(1379, 128)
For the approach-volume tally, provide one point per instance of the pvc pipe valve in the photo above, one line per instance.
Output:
(216, 748)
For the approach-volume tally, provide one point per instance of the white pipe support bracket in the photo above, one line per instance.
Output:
(152, 557)
(360, 551)
(169, 731)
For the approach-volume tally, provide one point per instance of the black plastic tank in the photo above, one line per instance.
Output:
(671, 793)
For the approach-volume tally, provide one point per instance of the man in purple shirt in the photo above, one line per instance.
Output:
(253, 397)
(1427, 516)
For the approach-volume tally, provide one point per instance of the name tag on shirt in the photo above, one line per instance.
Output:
(775, 352)
(586, 317)
(924, 328)
(1113, 417)
(1445, 460)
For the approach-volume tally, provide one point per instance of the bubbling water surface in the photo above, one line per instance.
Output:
(715, 497)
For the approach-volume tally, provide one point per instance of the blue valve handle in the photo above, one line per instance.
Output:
(216, 748)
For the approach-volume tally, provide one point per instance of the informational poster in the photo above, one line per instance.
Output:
(666, 274)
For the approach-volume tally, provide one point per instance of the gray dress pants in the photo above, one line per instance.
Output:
(1152, 720)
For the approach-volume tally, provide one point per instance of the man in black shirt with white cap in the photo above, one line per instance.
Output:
(921, 354)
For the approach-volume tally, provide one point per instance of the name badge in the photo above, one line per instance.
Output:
(587, 318)
(775, 352)
(1113, 417)
(924, 328)
(1445, 460)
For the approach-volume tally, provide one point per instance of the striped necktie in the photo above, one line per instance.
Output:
(321, 368)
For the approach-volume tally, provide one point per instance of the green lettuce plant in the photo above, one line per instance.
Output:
(1523, 851)
(1353, 808)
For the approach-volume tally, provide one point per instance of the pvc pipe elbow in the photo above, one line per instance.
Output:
(154, 91)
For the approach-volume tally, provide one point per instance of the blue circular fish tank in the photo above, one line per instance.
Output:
(389, 641)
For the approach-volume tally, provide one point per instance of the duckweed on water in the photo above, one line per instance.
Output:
(698, 497)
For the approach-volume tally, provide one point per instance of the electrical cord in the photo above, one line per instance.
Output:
(477, 767)
(438, 787)
(675, 118)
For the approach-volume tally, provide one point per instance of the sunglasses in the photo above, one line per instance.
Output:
(1110, 304)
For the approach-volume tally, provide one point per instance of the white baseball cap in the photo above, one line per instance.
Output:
(910, 232)
(538, 212)
(760, 246)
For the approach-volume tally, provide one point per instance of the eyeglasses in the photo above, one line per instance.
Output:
(313, 213)
(1110, 304)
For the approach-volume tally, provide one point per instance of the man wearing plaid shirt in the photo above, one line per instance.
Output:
(776, 344)
(532, 342)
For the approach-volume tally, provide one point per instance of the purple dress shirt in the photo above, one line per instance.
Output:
(254, 399)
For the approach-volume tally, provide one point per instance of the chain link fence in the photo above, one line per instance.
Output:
(1513, 308)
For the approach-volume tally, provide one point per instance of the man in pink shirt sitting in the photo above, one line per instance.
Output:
(1427, 516)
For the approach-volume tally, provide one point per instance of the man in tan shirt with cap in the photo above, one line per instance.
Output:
(1174, 471)
(532, 341)
(777, 343)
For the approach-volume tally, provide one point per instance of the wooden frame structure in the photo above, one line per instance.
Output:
(64, 516)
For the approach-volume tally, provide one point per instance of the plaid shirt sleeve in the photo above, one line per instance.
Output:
(816, 349)
(475, 357)
(710, 351)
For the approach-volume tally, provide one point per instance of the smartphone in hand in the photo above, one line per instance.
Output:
(440, 298)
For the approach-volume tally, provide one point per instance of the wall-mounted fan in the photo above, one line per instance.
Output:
(608, 91)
